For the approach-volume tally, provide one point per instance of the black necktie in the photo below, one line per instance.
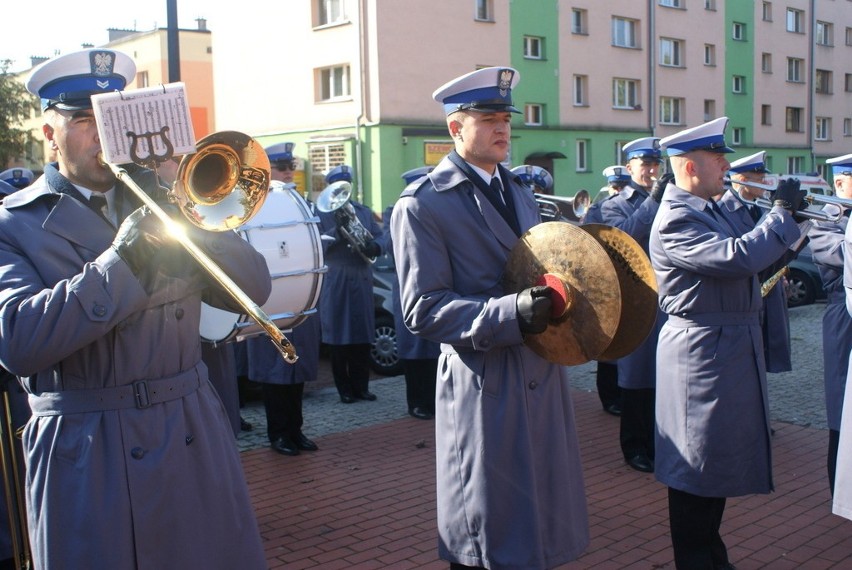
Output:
(755, 212)
(498, 189)
(98, 203)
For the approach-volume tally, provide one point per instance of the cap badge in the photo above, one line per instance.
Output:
(505, 84)
(102, 63)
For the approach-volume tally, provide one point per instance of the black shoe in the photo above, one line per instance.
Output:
(244, 425)
(305, 444)
(367, 395)
(641, 462)
(347, 399)
(420, 414)
(614, 409)
(285, 446)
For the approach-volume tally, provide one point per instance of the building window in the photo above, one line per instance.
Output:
(582, 164)
(822, 128)
(671, 52)
(849, 36)
(709, 110)
(330, 12)
(794, 122)
(670, 110)
(624, 32)
(794, 69)
(766, 115)
(710, 4)
(737, 136)
(142, 79)
(334, 83)
(795, 20)
(847, 127)
(767, 11)
(484, 11)
(533, 47)
(738, 84)
(322, 158)
(823, 81)
(578, 21)
(795, 164)
(766, 62)
(847, 82)
(533, 115)
(824, 34)
(624, 94)
(709, 54)
(738, 31)
(672, 3)
(581, 90)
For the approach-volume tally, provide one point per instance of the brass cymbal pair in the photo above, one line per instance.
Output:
(611, 290)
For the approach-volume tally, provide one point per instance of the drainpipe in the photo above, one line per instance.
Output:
(362, 77)
(811, 114)
(652, 83)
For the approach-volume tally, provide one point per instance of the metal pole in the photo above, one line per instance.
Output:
(173, 40)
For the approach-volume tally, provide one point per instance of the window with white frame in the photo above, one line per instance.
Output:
(330, 12)
(625, 93)
(709, 4)
(795, 21)
(484, 10)
(823, 81)
(849, 36)
(767, 11)
(670, 110)
(709, 110)
(847, 82)
(582, 154)
(579, 19)
(824, 34)
(738, 84)
(624, 32)
(581, 90)
(795, 164)
(794, 69)
(672, 3)
(822, 128)
(142, 79)
(533, 47)
(737, 136)
(322, 158)
(766, 62)
(794, 122)
(847, 127)
(738, 31)
(533, 114)
(709, 54)
(671, 52)
(766, 115)
(333, 83)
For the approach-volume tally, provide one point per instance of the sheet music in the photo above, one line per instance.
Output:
(144, 124)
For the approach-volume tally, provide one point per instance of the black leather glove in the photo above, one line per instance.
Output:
(789, 196)
(372, 249)
(145, 246)
(659, 186)
(533, 309)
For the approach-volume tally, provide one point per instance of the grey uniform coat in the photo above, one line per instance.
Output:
(775, 320)
(509, 480)
(712, 412)
(842, 503)
(828, 247)
(348, 313)
(632, 211)
(120, 475)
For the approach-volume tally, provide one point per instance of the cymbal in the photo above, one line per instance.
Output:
(638, 289)
(591, 321)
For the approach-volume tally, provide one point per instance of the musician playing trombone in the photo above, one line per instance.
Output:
(829, 253)
(131, 462)
(713, 433)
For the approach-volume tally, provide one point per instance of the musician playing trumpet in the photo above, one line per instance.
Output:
(131, 461)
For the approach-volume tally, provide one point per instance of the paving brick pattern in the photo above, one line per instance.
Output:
(366, 499)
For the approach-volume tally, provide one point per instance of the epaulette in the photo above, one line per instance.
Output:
(411, 189)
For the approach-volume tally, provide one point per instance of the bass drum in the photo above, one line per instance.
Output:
(286, 232)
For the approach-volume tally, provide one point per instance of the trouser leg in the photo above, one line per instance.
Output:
(275, 405)
(606, 379)
(359, 367)
(293, 405)
(833, 445)
(695, 522)
(420, 377)
(637, 422)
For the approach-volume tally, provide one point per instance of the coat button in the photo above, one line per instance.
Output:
(533, 385)
(189, 439)
(99, 310)
(179, 313)
(137, 453)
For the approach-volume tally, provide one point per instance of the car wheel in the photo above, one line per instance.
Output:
(801, 289)
(384, 356)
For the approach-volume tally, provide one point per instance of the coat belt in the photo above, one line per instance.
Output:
(141, 394)
(713, 319)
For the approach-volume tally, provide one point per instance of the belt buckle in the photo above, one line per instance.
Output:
(140, 394)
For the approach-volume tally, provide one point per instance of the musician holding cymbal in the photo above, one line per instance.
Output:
(509, 484)
(712, 414)
(131, 462)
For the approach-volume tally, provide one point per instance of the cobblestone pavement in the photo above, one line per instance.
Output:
(795, 397)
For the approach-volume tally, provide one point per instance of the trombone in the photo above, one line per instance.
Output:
(766, 202)
(557, 209)
(218, 188)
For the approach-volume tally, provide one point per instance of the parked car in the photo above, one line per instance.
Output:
(804, 285)
(384, 355)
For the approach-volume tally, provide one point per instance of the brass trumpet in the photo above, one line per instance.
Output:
(560, 209)
(766, 202)
(219, 188)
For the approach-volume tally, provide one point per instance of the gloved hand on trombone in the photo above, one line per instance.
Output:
(789, 196)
